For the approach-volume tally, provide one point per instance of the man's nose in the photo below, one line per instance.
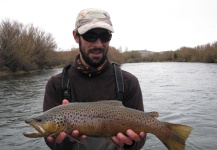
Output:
(98, 43)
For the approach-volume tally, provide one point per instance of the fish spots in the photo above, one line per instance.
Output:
(93, 117)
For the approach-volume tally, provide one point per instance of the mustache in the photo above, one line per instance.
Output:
(97, 49)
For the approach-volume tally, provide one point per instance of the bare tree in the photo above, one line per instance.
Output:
(24, 47)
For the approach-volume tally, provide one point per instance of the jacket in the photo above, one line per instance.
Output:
(90, 88)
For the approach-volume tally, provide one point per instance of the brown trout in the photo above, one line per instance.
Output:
(106, 119)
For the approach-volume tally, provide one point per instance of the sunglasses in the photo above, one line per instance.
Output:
(93, 37)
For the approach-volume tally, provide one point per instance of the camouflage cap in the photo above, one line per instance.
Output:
(93, 18)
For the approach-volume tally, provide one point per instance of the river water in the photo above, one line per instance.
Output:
(184, 93)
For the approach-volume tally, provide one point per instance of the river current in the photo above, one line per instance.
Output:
(183, 93)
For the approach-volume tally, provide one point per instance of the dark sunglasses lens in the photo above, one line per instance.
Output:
(105, 37)
(92, 37)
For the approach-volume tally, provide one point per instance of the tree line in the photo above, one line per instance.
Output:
(203, 53)
(26, 48)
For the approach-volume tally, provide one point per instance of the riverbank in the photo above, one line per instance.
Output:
(7, 73)
(10, 73)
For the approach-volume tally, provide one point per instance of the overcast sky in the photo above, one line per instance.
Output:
(155, 25)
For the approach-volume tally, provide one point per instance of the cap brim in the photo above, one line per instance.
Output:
(83, 29)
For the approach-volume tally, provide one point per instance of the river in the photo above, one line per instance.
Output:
(184, 93)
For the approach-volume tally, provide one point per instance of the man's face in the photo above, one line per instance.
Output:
(93, 48)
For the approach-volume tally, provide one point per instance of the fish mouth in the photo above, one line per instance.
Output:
(39, 131)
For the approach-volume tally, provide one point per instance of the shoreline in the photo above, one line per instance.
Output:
(9, 73)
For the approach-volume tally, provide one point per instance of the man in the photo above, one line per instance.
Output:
(92, 79)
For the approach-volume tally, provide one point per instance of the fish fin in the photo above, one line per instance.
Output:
(111, 102)
(73, 139)
(174, 136)
(153, 114)
(109, 139)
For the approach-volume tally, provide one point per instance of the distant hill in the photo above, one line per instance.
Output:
(146, 52)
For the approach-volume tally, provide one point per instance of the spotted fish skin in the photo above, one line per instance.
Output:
(106, 119)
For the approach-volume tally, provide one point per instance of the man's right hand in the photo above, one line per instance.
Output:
(62, 135)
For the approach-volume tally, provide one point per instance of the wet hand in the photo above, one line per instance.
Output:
(62, 136)
(122, 139)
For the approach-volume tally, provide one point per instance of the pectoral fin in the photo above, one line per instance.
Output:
(72, 139)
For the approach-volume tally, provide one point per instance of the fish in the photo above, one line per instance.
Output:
(106, 118)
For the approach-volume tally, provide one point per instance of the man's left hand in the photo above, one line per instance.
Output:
(122, 139)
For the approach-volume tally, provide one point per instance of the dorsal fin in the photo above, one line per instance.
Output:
(153, 114)
(111, 102)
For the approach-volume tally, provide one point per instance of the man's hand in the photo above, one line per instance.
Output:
(121, 139)
(62, 135)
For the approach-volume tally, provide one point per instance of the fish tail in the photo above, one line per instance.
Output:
(174, 136)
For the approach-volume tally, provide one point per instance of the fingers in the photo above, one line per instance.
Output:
(58, 139)
(121, 139)
(61, 137)
(142, 134)
(124, 139)
(117, 141)
(83, 136)
(133, 135)
(50, 139)
(77, 135)
(65, 101)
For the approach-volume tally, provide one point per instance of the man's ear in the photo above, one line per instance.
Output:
(76, 36)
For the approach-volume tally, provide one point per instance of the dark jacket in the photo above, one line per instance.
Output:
(90, 88)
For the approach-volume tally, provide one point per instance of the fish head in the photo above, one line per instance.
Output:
(45, 126)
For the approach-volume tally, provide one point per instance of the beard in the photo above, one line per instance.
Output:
(95, 61)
